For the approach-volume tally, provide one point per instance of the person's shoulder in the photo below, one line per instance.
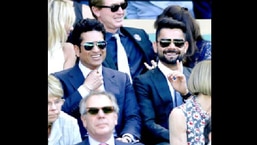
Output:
(67, 117)
(82, 143)
(187, 70)
(119, 76)
(146, 77)
(62, 72)
(177, 112)
(117, 142)
(133, 29)
(68, 49)
(113, 71)
(139, 34)
(149, 72)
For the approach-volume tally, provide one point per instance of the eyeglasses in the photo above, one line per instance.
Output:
(177, 42)
(115, 7)
(90, 45)
(106, 110)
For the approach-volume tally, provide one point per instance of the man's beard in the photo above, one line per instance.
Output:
(174, 61)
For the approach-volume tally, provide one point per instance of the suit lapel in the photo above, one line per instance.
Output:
(76, 77)
(161, 85)
(109, 80)
(137, 38)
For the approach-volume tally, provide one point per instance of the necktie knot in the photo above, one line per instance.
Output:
(116, 36)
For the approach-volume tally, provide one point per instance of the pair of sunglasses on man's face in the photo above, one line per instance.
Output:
(177, 42)
(95, 110)
(115, 7)
(90, 45)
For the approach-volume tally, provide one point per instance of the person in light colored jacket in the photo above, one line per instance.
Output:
(63, 129)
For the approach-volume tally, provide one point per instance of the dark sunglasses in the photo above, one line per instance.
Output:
(177, 42)
(115, 7)
(106, 110)
(100, 44)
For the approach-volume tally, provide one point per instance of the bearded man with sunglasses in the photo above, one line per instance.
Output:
(156, 96)
(88, 74)
(136, 42)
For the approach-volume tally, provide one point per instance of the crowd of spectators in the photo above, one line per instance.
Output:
(106, 106)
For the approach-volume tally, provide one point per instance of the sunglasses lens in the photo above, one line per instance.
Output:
(93, 111)
(179, 43)
(89, 45)
(165, 43)
(124, 5)
(115, 8)
(107, 110)
(101, 44)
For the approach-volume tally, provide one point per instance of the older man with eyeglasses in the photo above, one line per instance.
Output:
(99, 114)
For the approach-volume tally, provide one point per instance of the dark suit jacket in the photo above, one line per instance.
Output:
(144, 44)
(116, 82)
(155, 104)
(117, 142)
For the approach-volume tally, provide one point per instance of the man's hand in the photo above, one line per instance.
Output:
(154, 64)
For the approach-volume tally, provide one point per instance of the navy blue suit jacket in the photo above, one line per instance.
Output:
(118, 83)
(155, 102)
(144, 44)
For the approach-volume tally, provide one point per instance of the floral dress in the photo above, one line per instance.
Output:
(196, 119)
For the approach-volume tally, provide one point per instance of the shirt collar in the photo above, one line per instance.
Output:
(110, 141)
(85, 71)
(109, 35)
(164, 69)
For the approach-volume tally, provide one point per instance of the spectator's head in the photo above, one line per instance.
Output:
(55, 94)
(182, 14)
(89, 42)
(171, 44)
(61, 17)
(199, 81)
(109, 12)
(99, 114)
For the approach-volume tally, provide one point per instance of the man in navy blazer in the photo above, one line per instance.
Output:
(89, 75)
(135, 41)
(156, 96)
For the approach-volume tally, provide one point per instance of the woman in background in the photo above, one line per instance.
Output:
(63, 129)
(61, 17)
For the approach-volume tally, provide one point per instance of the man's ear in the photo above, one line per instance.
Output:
(84, 121)
(154, 46)
(96, 11)
(185, 47)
